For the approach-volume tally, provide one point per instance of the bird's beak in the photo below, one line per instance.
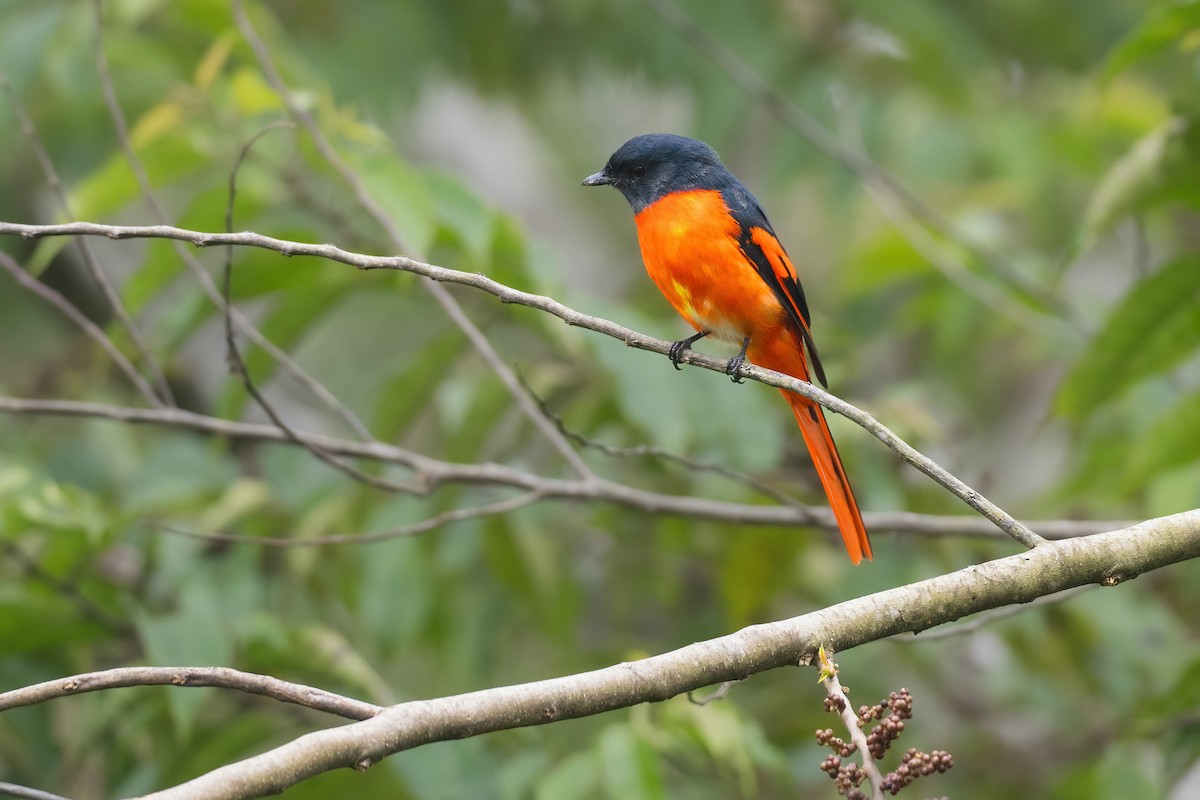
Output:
(599, 179)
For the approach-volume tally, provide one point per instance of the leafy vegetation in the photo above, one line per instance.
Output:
(1037, 335)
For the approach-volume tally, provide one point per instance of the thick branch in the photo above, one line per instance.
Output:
(572, 317)
(1107, 559)
(433, 472)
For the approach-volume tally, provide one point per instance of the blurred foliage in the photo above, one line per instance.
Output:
(1065, 147)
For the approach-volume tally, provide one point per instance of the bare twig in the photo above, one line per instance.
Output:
(653, 451)
(89, 328)
(415, 529)
(162, 393)
(1107, 559)
(368, 202)
(238, 366)
(507, 294)
(244, 326)
(433, 473)
(220, 677)
(833, 687)
(720, 693)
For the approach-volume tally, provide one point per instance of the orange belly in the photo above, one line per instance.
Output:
(690, 247)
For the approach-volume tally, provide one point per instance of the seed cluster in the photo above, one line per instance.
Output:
(889, 716)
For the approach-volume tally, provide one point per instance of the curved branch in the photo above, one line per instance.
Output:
(433, 472)
(26, 793)
(1107, 559)
(221, 677)
(507, 294)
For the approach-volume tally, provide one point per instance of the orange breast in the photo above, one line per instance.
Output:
(690, 246)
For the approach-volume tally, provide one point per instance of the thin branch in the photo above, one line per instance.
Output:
(415, 529)
(220, 677)
(720, 693)
(368, 202)
(507, 294)
(13, 790)
(238, 366)
(162, 393)
(433, 473)
(244, 326)
(834, 689)
(1108, 559)
(653, 451)
(89, 328)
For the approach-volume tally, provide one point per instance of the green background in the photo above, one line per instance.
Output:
(1045, 352)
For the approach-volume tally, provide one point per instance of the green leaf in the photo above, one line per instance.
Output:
(1172, 442)
(402, 191)
(405, 395)
(1153, 328)
(31, 622)
(178, 470)
(195, 635)
(1161, 167)
(112, 186)
(1166, 25)
(462, 212)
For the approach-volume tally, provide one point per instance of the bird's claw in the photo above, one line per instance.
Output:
(734, 368)
(677, 350)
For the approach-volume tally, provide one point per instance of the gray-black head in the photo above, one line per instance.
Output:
(649, 167)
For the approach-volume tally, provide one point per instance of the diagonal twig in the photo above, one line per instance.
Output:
(365, 199)
(89, 328)
(161, 394)
(244, 326)
(238, 366)
(661, 453)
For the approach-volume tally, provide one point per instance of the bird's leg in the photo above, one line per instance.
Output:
(677, 350)
(734, 368)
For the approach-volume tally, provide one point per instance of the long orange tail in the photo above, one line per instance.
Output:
(785, 356)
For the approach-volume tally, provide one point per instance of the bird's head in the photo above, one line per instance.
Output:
(651, 166)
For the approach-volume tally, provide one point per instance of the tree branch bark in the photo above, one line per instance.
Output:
(432, 472)
(1107, 559)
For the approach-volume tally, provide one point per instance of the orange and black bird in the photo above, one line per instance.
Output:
(710, 250)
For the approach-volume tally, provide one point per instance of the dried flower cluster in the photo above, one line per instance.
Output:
(889, 716)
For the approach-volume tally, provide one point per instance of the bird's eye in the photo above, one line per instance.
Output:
(639, 170)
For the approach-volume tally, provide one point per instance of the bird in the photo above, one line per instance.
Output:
(709, 248)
